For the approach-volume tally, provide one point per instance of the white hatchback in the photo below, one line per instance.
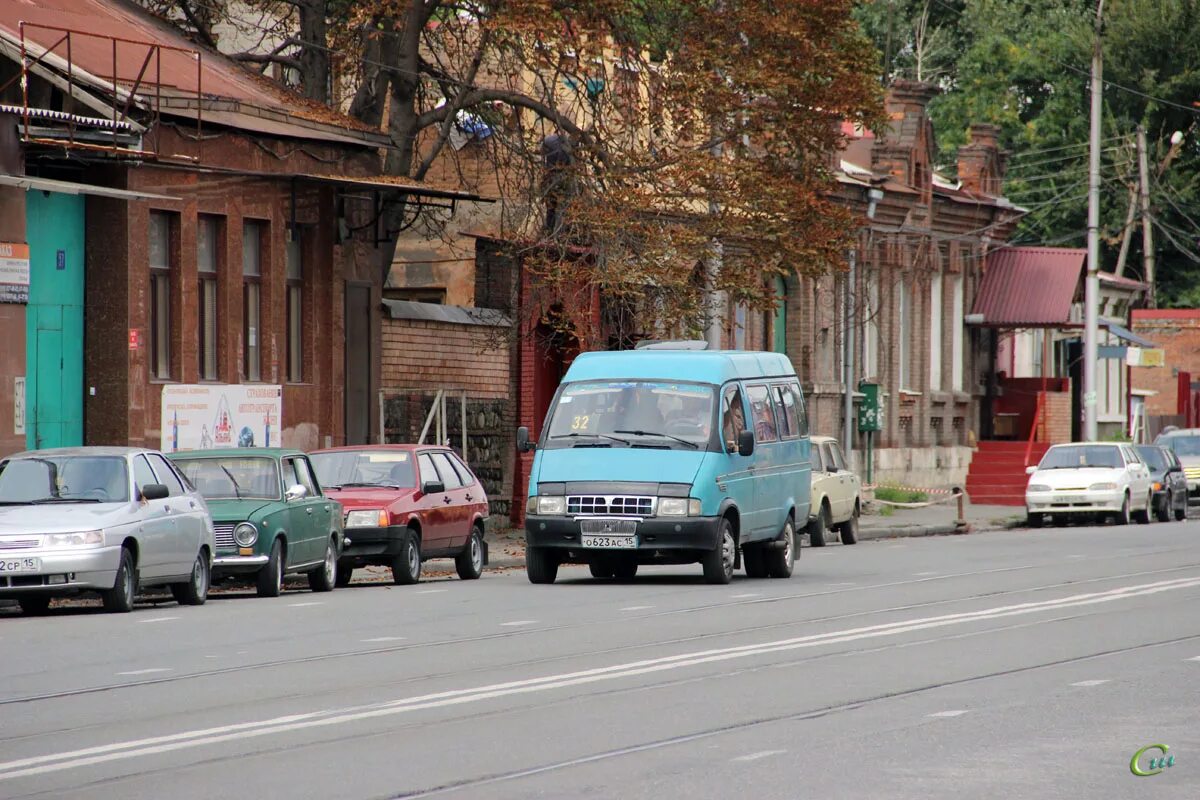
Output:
(1092, 478)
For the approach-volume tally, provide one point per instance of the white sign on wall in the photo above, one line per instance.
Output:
(14, 272)
(208, 416)
(18, 406)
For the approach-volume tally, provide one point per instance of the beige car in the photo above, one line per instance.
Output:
(836, 494)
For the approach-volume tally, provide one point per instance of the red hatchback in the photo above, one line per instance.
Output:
(405, 504)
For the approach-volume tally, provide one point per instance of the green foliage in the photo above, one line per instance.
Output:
(1023, 65)
(894, 495)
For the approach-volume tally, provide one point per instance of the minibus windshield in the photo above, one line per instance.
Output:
(633, 413)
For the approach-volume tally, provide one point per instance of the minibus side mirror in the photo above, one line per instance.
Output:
(523, 443)
(746, 443)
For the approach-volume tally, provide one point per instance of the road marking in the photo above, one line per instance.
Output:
(157, 619)
(636, 608)
(139, 748)
(385, 639)
(1194, 658)
(212, 656)
(920, 574)
(844, 583)
(518, 623)
(957, 712)
(1089, 683)
(430, 591)
(758, 755)
(144, 671)
(750, 594)
(302, 605)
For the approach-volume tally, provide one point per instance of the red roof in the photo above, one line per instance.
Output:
(95, 24)
(1029, 287)
(1120, 280)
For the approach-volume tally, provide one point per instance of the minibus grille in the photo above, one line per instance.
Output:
(612, 506)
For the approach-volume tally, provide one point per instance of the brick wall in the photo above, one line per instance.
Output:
(437, 355)
(1178, 334)
(1057, 408)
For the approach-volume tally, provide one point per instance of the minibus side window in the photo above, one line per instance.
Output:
(733, 418)
(789, 414)
(763, 414)
(801, 411)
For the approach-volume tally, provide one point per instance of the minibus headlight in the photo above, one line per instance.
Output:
(551, 505)
(678, 507)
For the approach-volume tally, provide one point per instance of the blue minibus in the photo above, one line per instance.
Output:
(661, 456)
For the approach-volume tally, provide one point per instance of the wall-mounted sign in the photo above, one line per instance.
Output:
(135, 339)
(14, 272)
(18, 406)
(207, 416)
(1145, 357)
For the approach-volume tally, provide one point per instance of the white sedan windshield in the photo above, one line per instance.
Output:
(64, 479)
(1080, 456)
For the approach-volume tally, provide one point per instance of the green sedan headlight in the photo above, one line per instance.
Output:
(245, 534)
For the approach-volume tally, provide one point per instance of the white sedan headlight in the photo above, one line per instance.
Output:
(1038, 487)
(551, 505)
(82, 539)
(1102, 487)
(367, 518)
(678, 507)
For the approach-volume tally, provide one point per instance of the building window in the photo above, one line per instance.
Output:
(208, 230)
(295, 314)
(161, 263)
(903, 330)
(935, 333)
(870, 330)
(956, 335)
(252, 247)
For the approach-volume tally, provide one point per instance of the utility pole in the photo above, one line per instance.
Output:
(1147, 226)
(1091, 295)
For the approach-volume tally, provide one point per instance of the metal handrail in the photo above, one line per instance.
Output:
(1037, 417)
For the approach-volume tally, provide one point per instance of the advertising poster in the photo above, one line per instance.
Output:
(14, 272)
(205, 417)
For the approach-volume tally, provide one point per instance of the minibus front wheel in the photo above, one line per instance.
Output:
(718, 562)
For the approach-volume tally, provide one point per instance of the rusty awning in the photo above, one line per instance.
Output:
(1028, 287)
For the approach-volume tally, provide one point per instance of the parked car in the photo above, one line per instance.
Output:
(105, 519)
(270, 515)
(1185, 444)
(670, 456)
(1167, 480)
(1092, 479)
(406, 504)
(836, 494)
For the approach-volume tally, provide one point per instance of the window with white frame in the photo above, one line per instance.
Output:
(162, 262)
(252, 249)
(956, 334)
(208, 232)
(935, 332)
(904, 331)
(870, 329)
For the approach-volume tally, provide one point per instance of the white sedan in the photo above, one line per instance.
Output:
(1095, 479)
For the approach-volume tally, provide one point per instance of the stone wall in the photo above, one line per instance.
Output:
(924, 467)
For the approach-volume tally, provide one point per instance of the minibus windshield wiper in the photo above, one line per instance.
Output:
(591, 435)
(693, 445)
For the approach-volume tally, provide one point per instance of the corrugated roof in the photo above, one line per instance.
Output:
(1148, 314)
(1121, 280)
(177, 75)
(1029, 286)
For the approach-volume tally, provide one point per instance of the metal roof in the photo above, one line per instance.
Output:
(71, 187)
(455, 315)
(1029, 287)
(174, 77)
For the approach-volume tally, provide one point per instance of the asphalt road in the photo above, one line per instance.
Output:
(1007, 664)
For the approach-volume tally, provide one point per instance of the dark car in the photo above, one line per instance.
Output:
(405, 504)
(1168, 480)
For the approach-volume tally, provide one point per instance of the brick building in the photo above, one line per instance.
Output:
(1177, 332)
(188, 223)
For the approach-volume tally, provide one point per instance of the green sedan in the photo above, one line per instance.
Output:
(270, 516)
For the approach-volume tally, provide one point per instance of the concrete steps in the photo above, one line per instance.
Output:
(997, 474)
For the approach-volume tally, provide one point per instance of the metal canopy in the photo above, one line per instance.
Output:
(70, 187)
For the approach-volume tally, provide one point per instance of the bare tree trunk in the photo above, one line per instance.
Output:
(314, 54)
(380, 46)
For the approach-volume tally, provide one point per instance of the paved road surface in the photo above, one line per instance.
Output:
(1014, 664)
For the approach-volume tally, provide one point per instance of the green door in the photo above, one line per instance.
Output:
(54, 320)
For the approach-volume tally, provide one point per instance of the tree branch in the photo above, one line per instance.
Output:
(267, 58)
(202, 29)
(454, 106)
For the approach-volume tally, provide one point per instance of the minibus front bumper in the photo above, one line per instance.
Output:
(650, 535)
